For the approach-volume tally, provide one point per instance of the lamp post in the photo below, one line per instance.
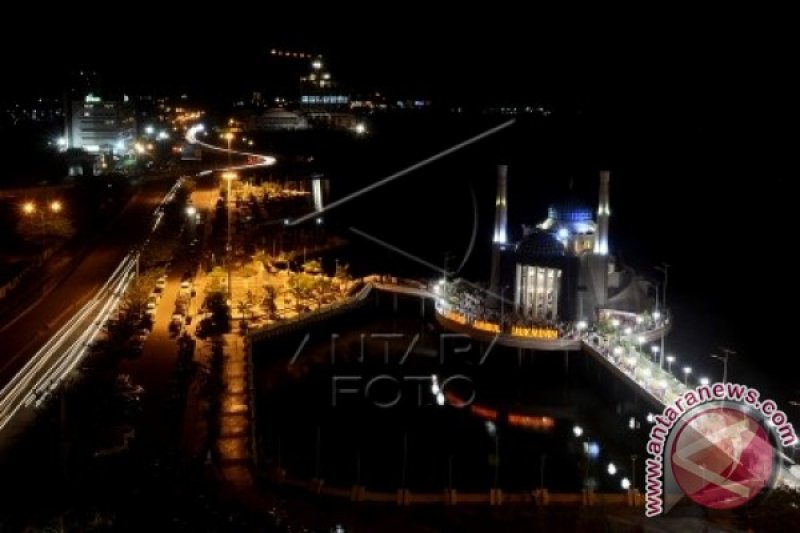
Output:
(228, 137)
(615, 324)
(686, 371)
(502, 306)
(724, 358)
(670, 360)
(655, 349)
(542, 459)
(228, 177)
(633, 471)
(665, 269)
(30, 209)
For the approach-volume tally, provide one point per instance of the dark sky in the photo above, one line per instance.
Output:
(483, 53)
(723, 77)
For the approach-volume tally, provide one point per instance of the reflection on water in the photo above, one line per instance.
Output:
(358, 403)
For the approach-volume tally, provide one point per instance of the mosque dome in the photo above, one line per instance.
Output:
(539, 244)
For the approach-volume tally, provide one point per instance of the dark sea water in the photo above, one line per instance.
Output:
(365, 409)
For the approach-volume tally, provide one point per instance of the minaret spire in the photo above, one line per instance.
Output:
(603, 213)
(500, 238)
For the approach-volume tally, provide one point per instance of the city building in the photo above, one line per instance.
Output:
(319, 92)
(561, 268)
(100, 126)
(277, 119)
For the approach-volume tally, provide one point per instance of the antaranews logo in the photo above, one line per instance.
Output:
(717, 444)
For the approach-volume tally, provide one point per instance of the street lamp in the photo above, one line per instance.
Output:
(229, 177)
(228, 137)
(612, 469)
(655, 349)
(704, 381)
(30, 209)
(724, 358)
(577, 431)
(686, 371)
(670, 360)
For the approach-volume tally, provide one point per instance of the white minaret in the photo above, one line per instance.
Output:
(500, 238)
(316, 193)
(603, 212)
(501, 209)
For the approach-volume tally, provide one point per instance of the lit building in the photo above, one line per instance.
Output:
(101, 126)
(276, 119)
(318, 91)
(561, 268)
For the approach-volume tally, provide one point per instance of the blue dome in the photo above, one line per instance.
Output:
(570, 212)
(539, 244)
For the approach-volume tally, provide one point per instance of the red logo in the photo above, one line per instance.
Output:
(722, 458)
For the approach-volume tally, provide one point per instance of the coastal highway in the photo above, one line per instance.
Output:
(43, 341)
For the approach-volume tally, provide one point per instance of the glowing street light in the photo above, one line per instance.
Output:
(686, 371)
(228, 137)
(655, 349)
(191, 210)
(360, 128)
(577, 431)
(704, 381)
(670, 360)
(625, 483)
(612, 469)
(656, 315)
(229, 177)
(29, 209)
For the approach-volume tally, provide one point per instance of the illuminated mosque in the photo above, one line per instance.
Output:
(561, 268)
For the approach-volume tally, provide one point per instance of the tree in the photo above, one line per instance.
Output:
(220, 312)
(301, 286)
(139, 291)
(36, 226)
(158, 251)
(312, 266)
(342, 275)
(216, 280)
(323, 286)
(271, 294)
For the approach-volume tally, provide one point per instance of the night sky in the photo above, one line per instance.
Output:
(720, 82)
(673, 61)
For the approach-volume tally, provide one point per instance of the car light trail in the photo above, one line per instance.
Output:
(55, 361)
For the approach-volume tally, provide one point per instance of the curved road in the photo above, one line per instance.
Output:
(44, 342)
